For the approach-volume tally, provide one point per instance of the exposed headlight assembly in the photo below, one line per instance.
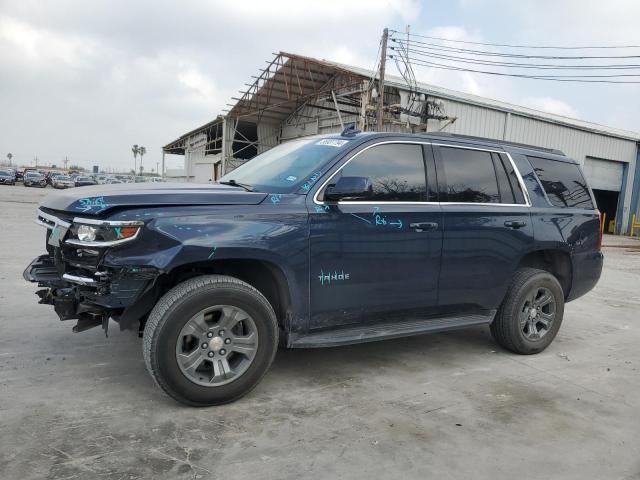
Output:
(86, 232)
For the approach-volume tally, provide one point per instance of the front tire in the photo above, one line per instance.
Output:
(531, 313)
(210, 340)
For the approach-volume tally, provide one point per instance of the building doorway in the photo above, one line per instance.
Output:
(607, 202)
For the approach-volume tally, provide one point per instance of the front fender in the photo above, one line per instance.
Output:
(274, 232)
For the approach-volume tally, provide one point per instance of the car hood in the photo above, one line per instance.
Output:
(98, 199)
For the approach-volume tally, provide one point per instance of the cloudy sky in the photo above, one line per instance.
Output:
(87, 79)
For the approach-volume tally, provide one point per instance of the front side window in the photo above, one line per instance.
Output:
(469, 176)
(563, 183)
(395, 170)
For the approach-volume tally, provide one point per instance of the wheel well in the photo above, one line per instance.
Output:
(556, 262)
(264, 276)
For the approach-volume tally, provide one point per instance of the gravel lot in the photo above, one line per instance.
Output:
(446, 406)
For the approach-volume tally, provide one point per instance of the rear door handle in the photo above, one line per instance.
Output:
(423, 226)
(515, 224)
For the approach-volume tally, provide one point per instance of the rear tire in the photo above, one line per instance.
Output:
(531, 312)
(189, 322)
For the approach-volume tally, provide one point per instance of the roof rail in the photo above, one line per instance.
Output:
(497, 142)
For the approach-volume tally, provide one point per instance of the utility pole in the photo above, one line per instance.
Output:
(66, 160)
(383, 61)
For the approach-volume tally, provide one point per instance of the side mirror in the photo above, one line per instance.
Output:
(349, 188)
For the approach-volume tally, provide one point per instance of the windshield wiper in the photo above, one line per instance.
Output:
(233, 183)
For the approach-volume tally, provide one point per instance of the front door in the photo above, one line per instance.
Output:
(377, 259)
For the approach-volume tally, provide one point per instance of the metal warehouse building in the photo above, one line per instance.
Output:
(297, 96)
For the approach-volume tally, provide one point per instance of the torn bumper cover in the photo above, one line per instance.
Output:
(92, 298)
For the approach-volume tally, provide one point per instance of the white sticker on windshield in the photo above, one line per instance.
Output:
(291, 178)
(331, 142)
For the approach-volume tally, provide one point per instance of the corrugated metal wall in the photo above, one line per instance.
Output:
(268, 136)
(476, 121)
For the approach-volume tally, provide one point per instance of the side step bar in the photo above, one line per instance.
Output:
(388, 330)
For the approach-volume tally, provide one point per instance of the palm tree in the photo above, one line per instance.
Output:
(9, 156)
(135, 149)
(141, 151)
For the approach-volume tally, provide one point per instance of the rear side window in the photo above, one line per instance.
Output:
(563, 182)
(470, 176)
(396, 171)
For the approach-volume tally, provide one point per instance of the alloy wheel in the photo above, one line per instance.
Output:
(538, 313)
(217, 345)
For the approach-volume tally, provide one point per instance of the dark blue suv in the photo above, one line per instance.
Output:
(324, 241)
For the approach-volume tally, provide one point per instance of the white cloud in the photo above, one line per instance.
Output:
(37, 47)
(550, 105)
(328, 10)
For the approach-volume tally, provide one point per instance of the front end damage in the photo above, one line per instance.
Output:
(79, 282)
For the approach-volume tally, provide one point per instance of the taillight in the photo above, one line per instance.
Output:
(601, 230)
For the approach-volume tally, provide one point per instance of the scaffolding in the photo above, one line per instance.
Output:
(293, 96)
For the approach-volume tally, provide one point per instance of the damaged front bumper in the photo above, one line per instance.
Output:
(93, 295)
(122, 295)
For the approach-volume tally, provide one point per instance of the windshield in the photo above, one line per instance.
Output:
(284, 168)
(4, 172)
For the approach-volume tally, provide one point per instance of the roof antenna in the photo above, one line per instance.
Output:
(350, 131)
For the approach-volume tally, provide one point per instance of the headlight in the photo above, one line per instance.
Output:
(87, 233)
(102, 233)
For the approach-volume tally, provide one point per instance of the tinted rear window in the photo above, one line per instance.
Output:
(470, 176)
(563, 182)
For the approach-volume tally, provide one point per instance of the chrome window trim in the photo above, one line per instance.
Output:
(525, 193)
(324, 184)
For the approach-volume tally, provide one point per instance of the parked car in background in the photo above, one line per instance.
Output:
(82, 181)
(34, 179)
(19, 175)
(12, 171)
(51, 175)
(63, 181)
(111, 181)
(7, 177)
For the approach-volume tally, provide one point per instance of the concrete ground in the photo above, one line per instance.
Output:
(447, 406)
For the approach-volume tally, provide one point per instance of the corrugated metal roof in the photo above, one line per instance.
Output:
(446, 93)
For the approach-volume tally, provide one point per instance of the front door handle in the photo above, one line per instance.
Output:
(423, 226)
(515, 224)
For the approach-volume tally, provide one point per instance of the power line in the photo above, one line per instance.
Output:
(509, 45)
(432, 46)
(555, 78)
(542, 66)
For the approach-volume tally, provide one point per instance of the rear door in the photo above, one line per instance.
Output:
(487, 226)
(377, 259)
